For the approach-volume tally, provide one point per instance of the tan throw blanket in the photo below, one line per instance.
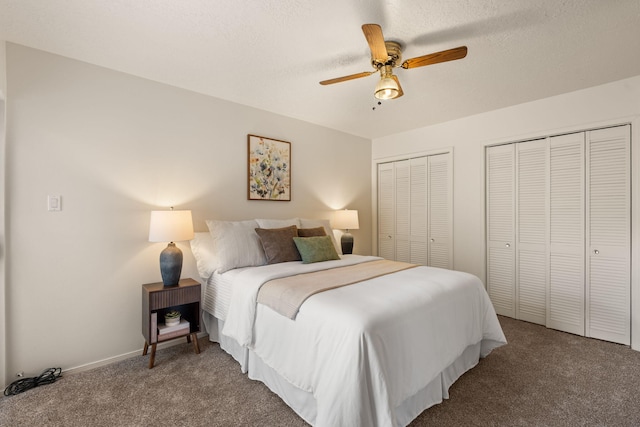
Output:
(286, 295)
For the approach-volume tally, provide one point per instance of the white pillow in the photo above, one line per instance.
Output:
(236, 244)
(278, 223)
(204, 253)
(311, 223)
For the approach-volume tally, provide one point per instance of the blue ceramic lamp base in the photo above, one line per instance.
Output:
(171, 265)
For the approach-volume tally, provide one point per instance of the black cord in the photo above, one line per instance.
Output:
(24, 384)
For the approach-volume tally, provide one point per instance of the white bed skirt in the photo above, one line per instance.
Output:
(304, 403)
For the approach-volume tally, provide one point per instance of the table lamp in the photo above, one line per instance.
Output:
(346, 220)
(170, 226)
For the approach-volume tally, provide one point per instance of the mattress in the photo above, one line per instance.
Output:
(217, 293)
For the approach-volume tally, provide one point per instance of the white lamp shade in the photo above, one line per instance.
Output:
(346, 219)
(170, 226)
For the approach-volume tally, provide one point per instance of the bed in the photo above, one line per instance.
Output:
(375, 352)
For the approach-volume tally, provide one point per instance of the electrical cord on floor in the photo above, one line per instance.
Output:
(24, 384)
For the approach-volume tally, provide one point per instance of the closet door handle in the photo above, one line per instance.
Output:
(432, 240)
(596, 252)
(508, 245)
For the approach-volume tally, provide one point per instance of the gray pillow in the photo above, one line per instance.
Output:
(278, 244)
(311, 232)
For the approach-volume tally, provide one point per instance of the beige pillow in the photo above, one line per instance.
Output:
(235, 244)
(277, 223)
(204, 253)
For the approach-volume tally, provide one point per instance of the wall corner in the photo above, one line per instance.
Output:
(3, 289)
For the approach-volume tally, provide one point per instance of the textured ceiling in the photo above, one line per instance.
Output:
(271, 54)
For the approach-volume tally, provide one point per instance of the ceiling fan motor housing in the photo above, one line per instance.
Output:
(394, 52)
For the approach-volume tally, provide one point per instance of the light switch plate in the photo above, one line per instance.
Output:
(54, 203)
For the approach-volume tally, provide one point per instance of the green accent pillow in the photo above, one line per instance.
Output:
(316, 249)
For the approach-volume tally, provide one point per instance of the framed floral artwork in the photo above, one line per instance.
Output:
(269, 169)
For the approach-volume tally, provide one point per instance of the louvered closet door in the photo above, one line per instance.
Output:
(402, 210)
(608, 234)
(566, 297)
(418, 212)
(440, 227)
(386, 211)
(531, 231)
(501, 228)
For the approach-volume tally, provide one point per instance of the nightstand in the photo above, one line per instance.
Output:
(157, 300)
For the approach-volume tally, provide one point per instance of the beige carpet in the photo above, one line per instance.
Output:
(542, 378)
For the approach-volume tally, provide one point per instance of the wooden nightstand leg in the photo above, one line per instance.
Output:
(196, 347)
(146, 347)
(152, 359)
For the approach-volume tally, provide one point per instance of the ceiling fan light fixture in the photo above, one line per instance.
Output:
(387, 87)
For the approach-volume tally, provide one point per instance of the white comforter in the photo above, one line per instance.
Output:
(363, 349)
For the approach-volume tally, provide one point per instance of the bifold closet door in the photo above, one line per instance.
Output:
(608, 234)
(517, 229)
(394, 210)
(440, 207)
(386, 211)
(531, 231)
(402, 210)
(566, 296)
(418, 211)
(500, 182)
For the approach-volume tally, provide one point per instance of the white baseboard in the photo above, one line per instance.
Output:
(124, 356)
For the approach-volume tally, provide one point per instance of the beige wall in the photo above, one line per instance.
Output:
(614, 103)
(115, 147)
(3, 70)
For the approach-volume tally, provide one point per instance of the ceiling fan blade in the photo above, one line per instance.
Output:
(373, 34)
(399, 87)
(345, 78)
(435, 58)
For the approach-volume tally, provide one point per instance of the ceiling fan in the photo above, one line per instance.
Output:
(387, 55)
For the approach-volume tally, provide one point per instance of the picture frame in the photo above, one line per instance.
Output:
(269, 169)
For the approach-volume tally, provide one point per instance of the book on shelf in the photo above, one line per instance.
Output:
(163, 329)
(174, 334)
